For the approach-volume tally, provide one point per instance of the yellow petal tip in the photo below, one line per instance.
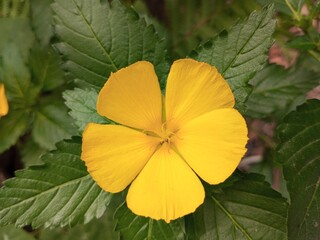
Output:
(4, 106)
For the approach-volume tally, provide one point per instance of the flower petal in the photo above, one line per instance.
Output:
(166, 188)
(213, 144)
(4, 107)
(194, 88)
(132, 97)
(114, 155)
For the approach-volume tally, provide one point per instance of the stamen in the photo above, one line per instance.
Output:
(164, 126)
(152, 134)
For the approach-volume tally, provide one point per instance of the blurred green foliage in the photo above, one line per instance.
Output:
(34, 80)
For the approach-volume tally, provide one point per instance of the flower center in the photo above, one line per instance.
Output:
(166, 139)
(165, 134)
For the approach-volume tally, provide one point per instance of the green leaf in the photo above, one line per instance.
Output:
(277, 91)
(134, 227)
(97, 229)
(299, 153)
(248, 209)
(242, 51)
(31, 153)
(16, 77)
(12, 127)
(302, 43)
(42, 20)
(58, 193)
(52, 124)
(45, 65)
(18, 32)
(83, 107)
(12, 233)
(98, 38)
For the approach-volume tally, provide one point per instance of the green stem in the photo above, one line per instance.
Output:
(314, 54)
(267, 140)
(295, 14)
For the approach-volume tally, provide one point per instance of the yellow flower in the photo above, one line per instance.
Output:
(4, 108)
(163, 143)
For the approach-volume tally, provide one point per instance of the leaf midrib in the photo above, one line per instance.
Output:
(45, 192)
(311, 200)
(44, 72)
(95, 36)
(287, 86)
(21, 93)
(58, 126)
(234, 221)
(150, 227)
(244, 45)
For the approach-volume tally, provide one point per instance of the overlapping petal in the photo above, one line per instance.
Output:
(166, 188)
(213, 144)
(194, 88)
(114, 155)
(4, 107)
(132, 97)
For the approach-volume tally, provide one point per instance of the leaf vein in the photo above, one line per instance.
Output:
(96, 37)
(229, 215)
(238, 53)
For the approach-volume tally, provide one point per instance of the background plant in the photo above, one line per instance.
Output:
(48, 70)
